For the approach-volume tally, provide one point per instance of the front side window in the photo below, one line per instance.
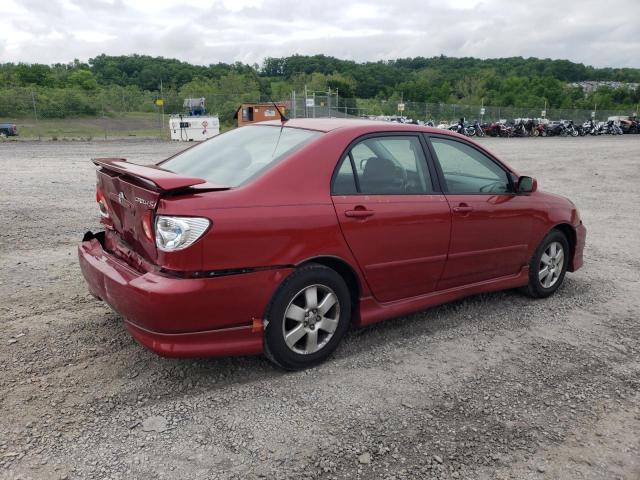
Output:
(466, 170)
(240, 155)
(388, 165)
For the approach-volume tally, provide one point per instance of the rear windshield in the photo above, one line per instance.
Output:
(240, 155)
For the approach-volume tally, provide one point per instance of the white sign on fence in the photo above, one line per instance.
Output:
(401, 107)
(310, 102)
(543, 113)
(482, 111)
(593, 114)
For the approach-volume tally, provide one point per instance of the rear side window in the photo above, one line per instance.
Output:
(240, 155)
(388, 165)
(344, 182)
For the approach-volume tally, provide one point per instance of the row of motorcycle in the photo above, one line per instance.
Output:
(531, 128)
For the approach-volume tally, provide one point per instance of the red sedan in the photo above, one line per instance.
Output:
(274, 238)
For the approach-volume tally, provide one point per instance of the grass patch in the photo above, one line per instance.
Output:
(136, 124)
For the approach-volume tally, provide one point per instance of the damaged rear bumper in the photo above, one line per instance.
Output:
(182, 317)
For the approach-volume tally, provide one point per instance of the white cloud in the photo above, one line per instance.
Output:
(204, 32)
(92, 37)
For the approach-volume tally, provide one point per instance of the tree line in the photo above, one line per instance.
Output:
(132, 82)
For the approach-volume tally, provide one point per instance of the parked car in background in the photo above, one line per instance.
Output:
(8, 130)
(629, 125)
(274, 238)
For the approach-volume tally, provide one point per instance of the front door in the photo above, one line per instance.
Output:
(491, 225)
(394, 221)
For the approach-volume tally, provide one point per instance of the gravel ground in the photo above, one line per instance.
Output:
(494, 386)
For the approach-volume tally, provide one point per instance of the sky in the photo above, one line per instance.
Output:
(593, 32)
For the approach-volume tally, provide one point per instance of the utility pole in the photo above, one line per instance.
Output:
(103, 120)
(35, 112)
(306, 110)
(33, 100)
(329, 102)
(293, 101)
(162, 107)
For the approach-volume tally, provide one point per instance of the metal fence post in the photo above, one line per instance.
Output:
(293, 102)
(35, 112)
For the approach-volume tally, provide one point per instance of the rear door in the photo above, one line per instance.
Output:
(392, 215)
(491, 225)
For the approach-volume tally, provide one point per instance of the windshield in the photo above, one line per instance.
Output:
(237, 156)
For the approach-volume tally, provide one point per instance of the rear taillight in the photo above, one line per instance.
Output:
(176, 233)
(147, 224)
(102, 204)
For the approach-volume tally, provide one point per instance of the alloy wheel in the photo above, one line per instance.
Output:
(551, 264)
(310, 319)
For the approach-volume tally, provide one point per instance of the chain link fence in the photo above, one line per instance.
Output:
(121, 112)
(331, 105)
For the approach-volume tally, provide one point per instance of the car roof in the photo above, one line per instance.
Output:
(329, 124)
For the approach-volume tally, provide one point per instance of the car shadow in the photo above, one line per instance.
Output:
(173, 378)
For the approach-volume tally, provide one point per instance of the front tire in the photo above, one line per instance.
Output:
(307, 317)
(548, 265)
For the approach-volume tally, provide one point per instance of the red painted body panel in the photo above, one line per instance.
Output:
(413, 252)
(402, 246)
(213, 343)
(168, 305)
(372, 311)
(160, 178)
(126, 217)
(492, 240)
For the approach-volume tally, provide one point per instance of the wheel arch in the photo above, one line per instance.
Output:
(570, 233)
(345, 270)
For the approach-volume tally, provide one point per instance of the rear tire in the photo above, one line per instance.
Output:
(548, 265)
(307, 317)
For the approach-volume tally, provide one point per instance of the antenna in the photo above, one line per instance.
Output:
(283, 117)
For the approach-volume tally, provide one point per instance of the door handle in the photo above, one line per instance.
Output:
(463, 208)
(358, 213)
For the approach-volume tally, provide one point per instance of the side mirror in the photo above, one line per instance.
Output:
(527, 185)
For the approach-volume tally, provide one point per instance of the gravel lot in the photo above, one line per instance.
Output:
(494, 386)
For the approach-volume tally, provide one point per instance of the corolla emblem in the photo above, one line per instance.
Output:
(146, 203)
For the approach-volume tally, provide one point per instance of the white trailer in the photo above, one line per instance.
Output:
(187, 128)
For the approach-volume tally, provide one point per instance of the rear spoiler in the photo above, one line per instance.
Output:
(163, 180)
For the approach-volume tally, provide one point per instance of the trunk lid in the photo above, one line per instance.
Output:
(132, 194)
